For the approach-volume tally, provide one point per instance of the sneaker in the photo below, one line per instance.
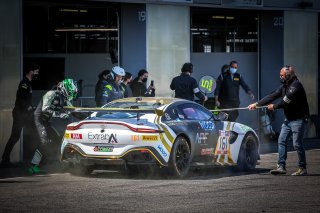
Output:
(34, 169)
(280, 170)
(301, 171)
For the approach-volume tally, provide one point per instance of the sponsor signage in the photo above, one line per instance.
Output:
(103, 137)
(150, 137)
(103, 149)
(207, 84)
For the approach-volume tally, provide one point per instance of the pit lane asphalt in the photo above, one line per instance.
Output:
(205, 190)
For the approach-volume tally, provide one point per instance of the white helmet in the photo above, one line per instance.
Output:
(117, 71)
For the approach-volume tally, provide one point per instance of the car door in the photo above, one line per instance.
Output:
(201, 130)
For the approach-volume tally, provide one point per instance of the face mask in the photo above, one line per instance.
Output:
(144, 80)
(35, 76)
(233, 70)
(282, 80)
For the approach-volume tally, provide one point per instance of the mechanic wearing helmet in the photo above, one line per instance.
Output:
(139, 88)
(113, 89)
(185, 86)
(50, 106)
(296, 110)
(227, 90)
(22, 111)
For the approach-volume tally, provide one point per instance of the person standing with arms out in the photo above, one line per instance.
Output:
(139, 88)
(185, 86)
(102, 82)
(126, 85)
(113, 90)
(228, 88)
(50, 106)
(22, 111)
(296, 110)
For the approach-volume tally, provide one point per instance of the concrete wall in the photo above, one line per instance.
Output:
(10, 67)
(301, 51)
(168, 44)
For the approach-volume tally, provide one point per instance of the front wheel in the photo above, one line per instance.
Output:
(248, 155)
(179, 162)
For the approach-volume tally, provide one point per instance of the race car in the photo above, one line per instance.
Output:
(168, 133)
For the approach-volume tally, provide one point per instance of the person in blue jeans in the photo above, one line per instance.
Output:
(296, 110)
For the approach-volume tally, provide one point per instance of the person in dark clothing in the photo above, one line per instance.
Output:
(228, 88)
(50, 106)
(114, 90)
(104, 77)
(139, 87)
(22, 111)
(126, 85)
(296, 110)
(185, 86)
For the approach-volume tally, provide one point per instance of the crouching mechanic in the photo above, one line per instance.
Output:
(50, 106)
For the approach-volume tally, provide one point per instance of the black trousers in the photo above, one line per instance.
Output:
(232, 115)
(20, 120)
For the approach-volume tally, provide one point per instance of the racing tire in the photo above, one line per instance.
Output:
(248, 155)
(179, 162)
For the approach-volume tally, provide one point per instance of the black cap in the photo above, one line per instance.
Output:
(187, 67)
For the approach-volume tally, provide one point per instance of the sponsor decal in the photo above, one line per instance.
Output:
(150, 137)
(167, 116)
(103, 149)
(224, 133)
(135, 137)
(180, 116)
(164, 154)
(207, 151)
(109, 138)
(76, 136)
(67, 135)
(207, 125)
(222, 148)
(201, 137)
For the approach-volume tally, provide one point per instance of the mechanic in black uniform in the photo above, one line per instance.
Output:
(185, 86)
(22, 111)
(227, 90)
(104, 78)
(296, 110)
(139, 87)
(50, 106)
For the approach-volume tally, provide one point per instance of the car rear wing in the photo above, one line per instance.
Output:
(159, 112)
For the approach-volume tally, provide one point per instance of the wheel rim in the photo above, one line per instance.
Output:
(182, 156)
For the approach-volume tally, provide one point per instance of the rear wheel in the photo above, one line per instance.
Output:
(179, 162)
(248, 155)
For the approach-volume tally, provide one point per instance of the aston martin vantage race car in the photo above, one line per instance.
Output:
(172, 134)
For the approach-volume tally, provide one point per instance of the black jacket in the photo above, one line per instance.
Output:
(24, 96)
(228, 87)
(293, 100)
(139, 89)
(186, 87)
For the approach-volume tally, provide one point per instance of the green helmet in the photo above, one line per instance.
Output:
(69, 88)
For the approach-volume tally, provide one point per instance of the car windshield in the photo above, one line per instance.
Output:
(122, 106)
